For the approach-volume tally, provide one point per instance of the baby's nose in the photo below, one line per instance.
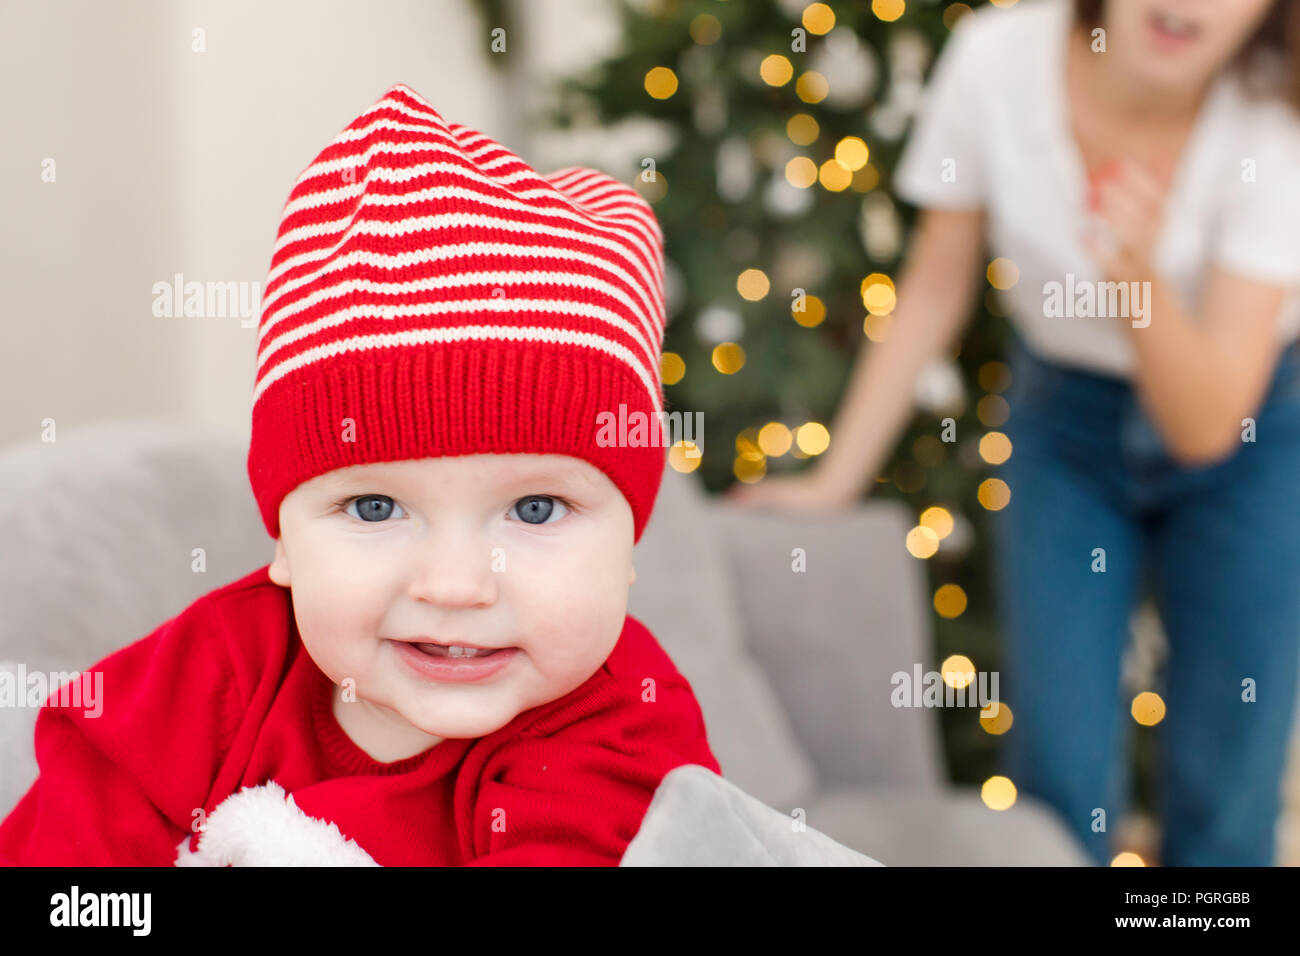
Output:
(457, 573)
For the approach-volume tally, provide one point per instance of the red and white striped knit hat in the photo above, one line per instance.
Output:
(432, 290)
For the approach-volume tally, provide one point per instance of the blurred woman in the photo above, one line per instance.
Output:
(1139, 162)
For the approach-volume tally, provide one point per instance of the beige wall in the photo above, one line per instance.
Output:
(173, 161)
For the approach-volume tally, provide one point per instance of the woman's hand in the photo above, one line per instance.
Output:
(1127, 200)
(809, 493)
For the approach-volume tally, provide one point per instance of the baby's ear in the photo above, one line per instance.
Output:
(279, 569)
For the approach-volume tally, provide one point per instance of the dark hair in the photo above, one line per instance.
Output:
(1277, 38)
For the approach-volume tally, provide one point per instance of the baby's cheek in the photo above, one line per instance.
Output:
(572, 645)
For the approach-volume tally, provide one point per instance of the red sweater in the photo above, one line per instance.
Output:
(225, 696)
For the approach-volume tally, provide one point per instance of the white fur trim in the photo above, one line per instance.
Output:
(262, 826)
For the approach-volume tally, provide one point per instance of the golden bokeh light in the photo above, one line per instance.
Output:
(994, 376)
(812, 87)
(705, 29)
(818, 18)
(922, 542)
(749, 471)
(728, 358)
(851, 153)
(1002, 273)
(954, 12)
(653, 190)
(995, 448)
(876, 278)
(801, 171)
(950, 601)
(998, 723)
(814, 311)
(1148, 708)
(993, 411)
(685, 456)
(747, 445)
(958, 670)
(888, 10)
(834, 176)
(813, 438)
(938, 520)
(879, 299)
(661, 82)
(802, 129)
(671, 368)
(774, 439)
(998, 793)
(775, 70)
(1127, 858)
(876, 327)
(752, 284)
(994, 494)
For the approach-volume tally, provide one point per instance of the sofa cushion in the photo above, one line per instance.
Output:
(700, 819)
(684, 594)
(952, 827)
(829, 637)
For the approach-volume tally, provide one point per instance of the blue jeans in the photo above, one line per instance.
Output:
(1218, 547)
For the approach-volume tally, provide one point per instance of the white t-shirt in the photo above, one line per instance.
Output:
(993, 131)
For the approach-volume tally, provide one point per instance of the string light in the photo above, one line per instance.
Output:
(814, 311)
(998, 723)
(998, 793)
(995, 448)
(1002, 273)
(813, 438)
(661, 82)
(671, 368)
(811, 87)
(728, 358)
(774, 439)
(705, 29)
(958, 670)
(888, 10)
(753, 284)
(685, 456)
(775, 70)
(994, 494)
(802, 129)
(818, 18)
(801, 172)
(1148, 708)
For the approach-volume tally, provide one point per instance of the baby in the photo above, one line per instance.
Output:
(437, 667)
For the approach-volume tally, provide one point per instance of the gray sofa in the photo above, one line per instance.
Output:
(791, 669)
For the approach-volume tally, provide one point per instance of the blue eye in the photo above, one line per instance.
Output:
(373, 508)
(536, 509)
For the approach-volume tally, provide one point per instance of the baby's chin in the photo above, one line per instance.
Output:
(454, 719)
(455, 727)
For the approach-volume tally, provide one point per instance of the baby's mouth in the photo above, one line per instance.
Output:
(455, 650)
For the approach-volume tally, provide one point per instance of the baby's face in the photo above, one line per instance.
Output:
(531, 554)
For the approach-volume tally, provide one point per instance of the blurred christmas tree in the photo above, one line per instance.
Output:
(786, 121)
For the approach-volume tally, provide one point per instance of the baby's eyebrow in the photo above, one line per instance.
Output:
(543, 473)
(558, 473)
